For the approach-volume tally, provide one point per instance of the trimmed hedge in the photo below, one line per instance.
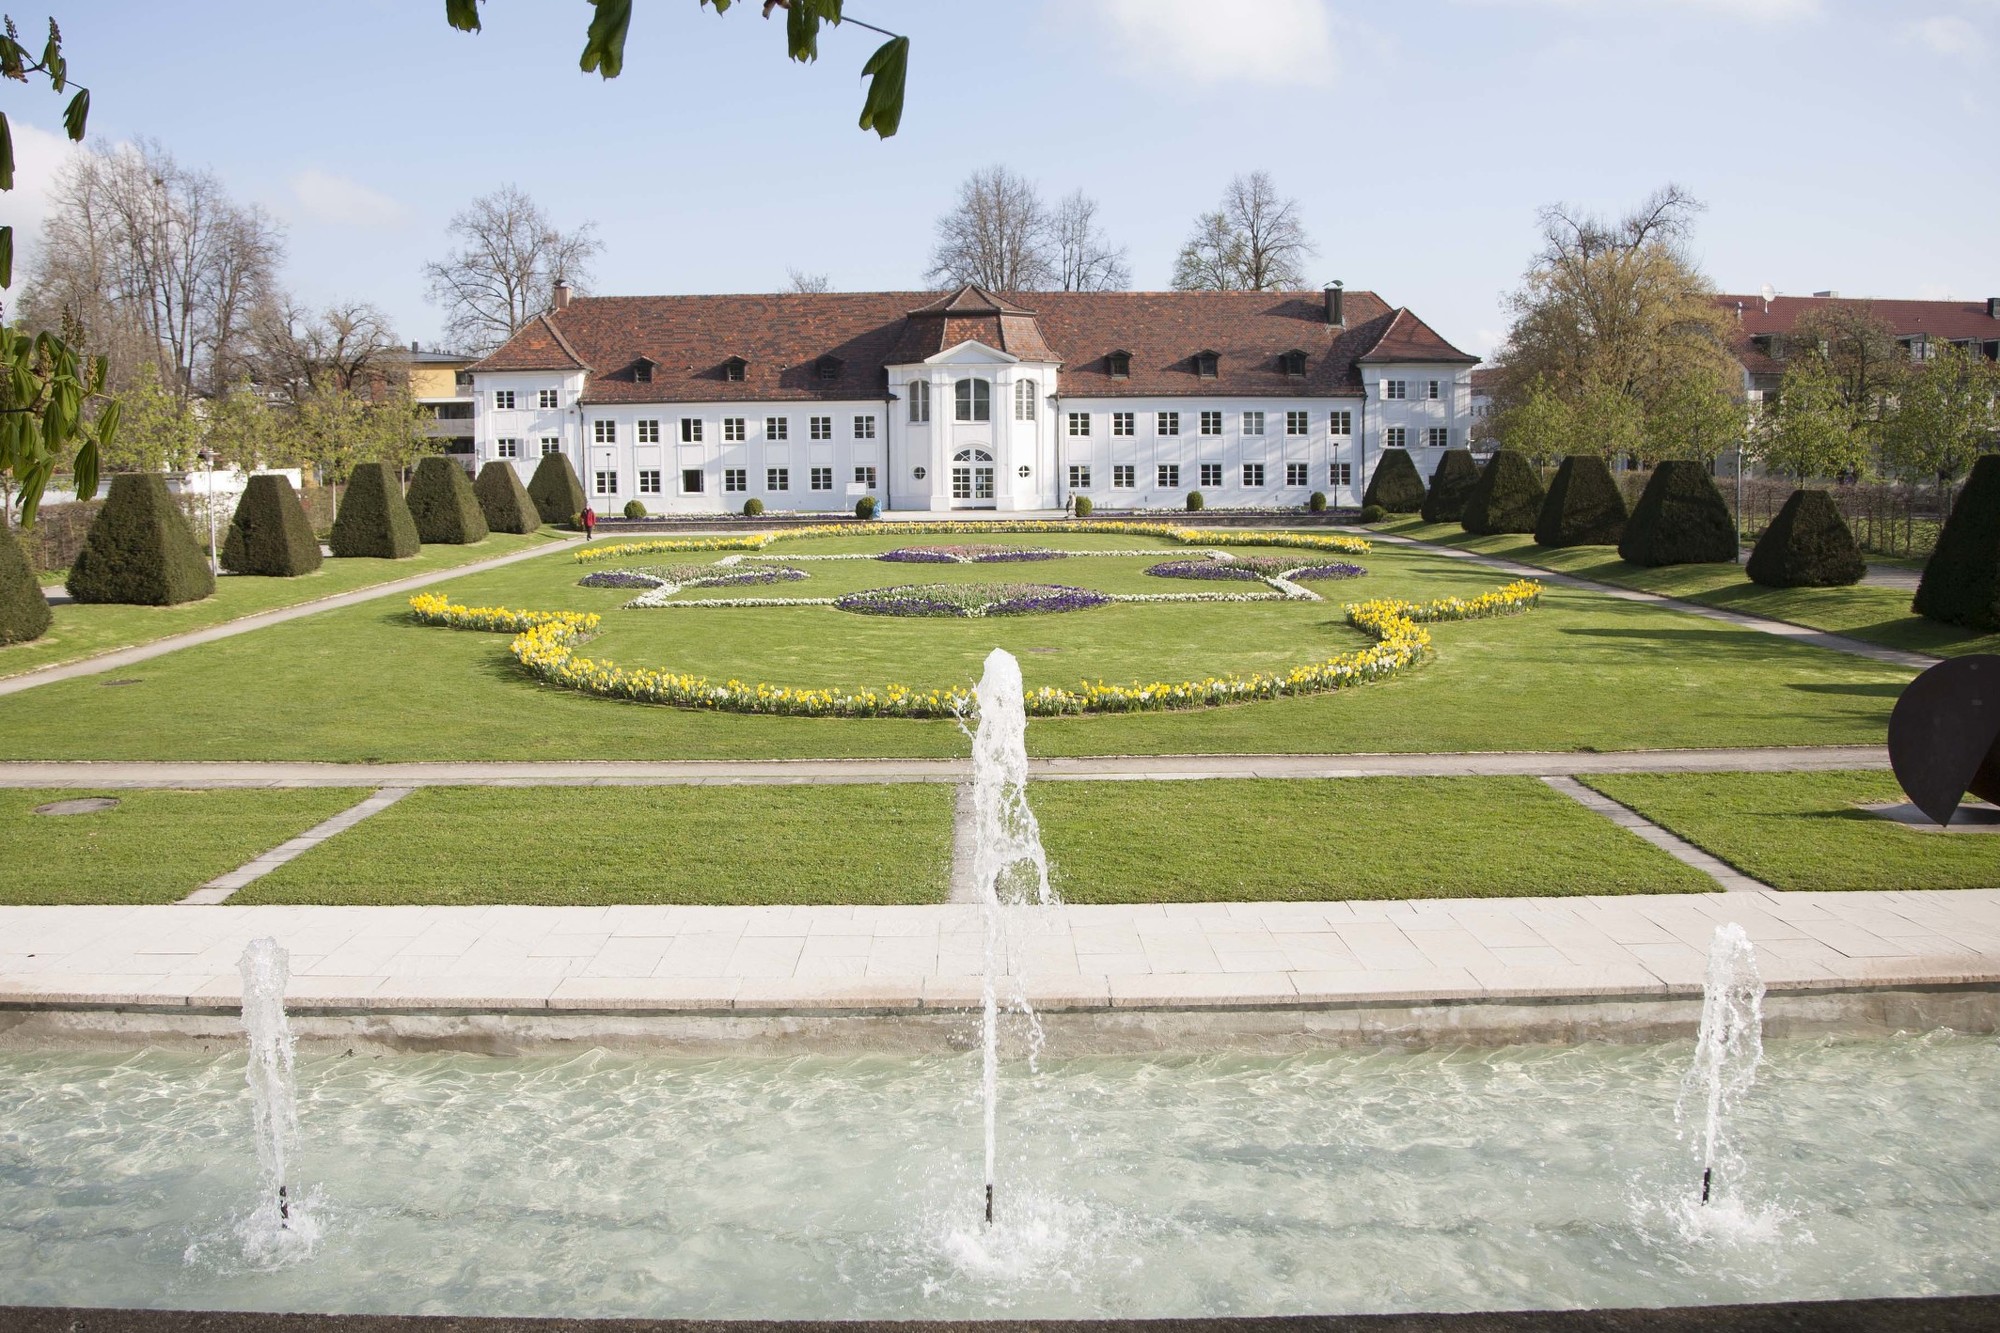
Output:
(1681, 519)
(1084, 506)
(1397, 485)
(1961, 583)
(24, 611)
(141, 551)
(1508, 497)
(865, 507)
(556, 489)
(504, 500)
(1584, 506)
(373, 519)
(752, 508)
(1808, 545)
(441, 501)
(270, 533)
(1451, 486)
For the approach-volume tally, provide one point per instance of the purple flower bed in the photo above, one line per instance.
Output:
(1336, 570)
(1205, 569)
(971, 599)
(616, 578)
(692, 576)
(967, 554)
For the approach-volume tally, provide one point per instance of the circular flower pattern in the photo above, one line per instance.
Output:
(971, 599)
(968, 554)
(692, 576)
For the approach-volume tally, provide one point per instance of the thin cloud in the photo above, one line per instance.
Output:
(322, 196)
(1950, 36)
(1265, 41)
(38, 155)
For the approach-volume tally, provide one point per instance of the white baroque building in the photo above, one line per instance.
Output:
(972, 400)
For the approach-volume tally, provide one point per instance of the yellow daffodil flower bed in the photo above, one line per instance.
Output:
(547, 641)
(757, 541)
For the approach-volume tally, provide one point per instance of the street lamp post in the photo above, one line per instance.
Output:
(214, 556)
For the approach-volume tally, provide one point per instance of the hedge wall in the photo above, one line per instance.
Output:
(270, 534)
(24, 611)
(141, 550)
(1681, 519)
(1397, 485)
(555, 489)
(1584, 506)
(504, 500)
(1961, 583)
(441, 502)
(1808, 545)
(373, 519)
(1508, 497)
(1451, 486)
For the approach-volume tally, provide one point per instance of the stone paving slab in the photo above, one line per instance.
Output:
(1207, 955)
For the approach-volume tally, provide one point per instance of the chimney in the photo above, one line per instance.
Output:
(1336, 313)
(562, 294)
(1993, 307)
(414, 347)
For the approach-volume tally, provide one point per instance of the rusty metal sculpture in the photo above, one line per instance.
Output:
(1944, 735)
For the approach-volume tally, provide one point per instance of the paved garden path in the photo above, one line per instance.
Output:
(91, 666)
(849, 772)
(1839, 643)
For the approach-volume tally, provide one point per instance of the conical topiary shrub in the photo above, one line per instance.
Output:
(441, 501)
(1584, 506)
(270, 534)
(1808, 545)
(1451, 487)
(24, 611)
(504, 500)
(373, 519)
(1508, 497)
(140, 550)
(1681, 519)
(1961, 583)
(1397, 486)
(556, 490)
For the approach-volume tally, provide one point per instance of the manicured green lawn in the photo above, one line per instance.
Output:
(156, 847)
(85, 631)
(1875, 614)
(1582, 672)
(592, 845)
(1803, 830)
(1208, 841)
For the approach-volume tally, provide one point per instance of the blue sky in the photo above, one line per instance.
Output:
(1838, 143)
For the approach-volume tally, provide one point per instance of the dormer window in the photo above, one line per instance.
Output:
(1118, 364)
(733, 369)
(1204, 364)
(829, 367)
(642, 370)
(1293, 363)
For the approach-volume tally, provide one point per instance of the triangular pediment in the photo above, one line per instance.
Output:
(971, 352)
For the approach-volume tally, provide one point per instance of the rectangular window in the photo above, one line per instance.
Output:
(1121, 423)
(1253, 475)
(777, 479)
(1211, 423)
(820, 428)
(649, 481)
(1433, 390)
(865, 476)
(920, 401)
(649, 431)
(1124, 476)
(733, 429)
(1298, 474)
(1298, 423)
(503, 399)
(733, 479)
(551, 444)
(507, 448)
(1340, 474)
(1341, 421)
(1437, 437)
(547, 398)
(864, 428)
(1079, 423)
(1395, 437)
(692, 481)
(607, 483)
(1253, 423)
(1079, 477)
(1168, 475)
(777, 428)
(1211, 474)
(1168, 423)
(822, 478)
(1395, 389)
(604, 432)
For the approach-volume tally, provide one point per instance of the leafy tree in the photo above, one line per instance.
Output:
(161, 432)
(1694, 417)
(1942, 417)
(1810, 431)
(506, 260)
(604, 47)
(1542, 426)
(1858, 346)
(1254, 242)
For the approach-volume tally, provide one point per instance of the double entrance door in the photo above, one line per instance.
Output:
(972, 479)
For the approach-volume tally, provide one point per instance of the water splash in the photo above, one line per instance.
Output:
(280, 1221)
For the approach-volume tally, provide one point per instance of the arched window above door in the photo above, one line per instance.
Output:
(972, 456)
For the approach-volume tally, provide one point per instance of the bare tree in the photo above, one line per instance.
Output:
(997, 236)
(346, 346)
(798, 280)
(1083, 259)
(1253, 242)
(504, 267)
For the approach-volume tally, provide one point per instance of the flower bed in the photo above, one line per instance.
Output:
(971, 599)
(1337, 570)
(757, 541)
(969, 555)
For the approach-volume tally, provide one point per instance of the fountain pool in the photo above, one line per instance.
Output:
(1351, 1180)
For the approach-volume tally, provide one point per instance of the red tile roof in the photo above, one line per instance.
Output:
(782, 337)
(1950, 320)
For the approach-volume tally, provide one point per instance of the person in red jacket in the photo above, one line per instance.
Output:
(589, 522)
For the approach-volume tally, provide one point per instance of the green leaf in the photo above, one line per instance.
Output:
(85, 467)
(13, 58)
(6, 155)
(462, 14)
(76, 113)
(52, 60)
(887, 70)
(802, 20)
(6, 256)
(604, 44)
(721, 6)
